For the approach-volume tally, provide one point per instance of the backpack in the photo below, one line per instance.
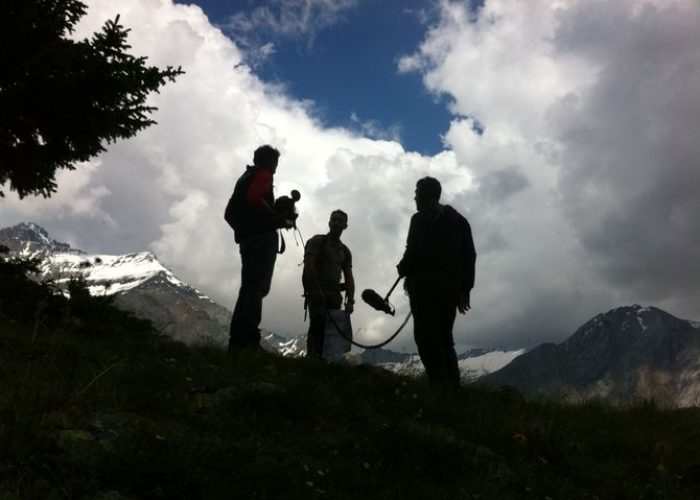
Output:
(306, 285)
(234, 207)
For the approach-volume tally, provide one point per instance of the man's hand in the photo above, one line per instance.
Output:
(349, 306)
(463, 304)
(278, 219)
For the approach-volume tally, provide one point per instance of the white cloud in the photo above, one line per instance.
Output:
(78, 197)
(582, 189)
(589, 111)
(296, 20)
(374, 130)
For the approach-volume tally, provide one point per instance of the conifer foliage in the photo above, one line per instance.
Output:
(62, 100)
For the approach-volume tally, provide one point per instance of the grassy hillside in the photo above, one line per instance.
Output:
(93, 404)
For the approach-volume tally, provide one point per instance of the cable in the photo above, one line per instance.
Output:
(365, 346)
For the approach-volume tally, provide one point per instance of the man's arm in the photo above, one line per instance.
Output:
(230, 213)
(406, 263)
(469, 269)
(349, 289)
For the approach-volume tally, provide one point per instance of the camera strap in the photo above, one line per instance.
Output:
(283, 245)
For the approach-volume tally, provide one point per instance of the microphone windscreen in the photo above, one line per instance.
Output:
(374, 300)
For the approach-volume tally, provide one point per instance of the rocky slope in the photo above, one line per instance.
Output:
(138, 282)
(626, 355)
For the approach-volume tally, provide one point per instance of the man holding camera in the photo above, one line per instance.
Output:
(438, 264)
(325, 259)
(250, 213)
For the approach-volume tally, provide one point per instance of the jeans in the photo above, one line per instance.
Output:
(258, 255)
(317, 322)
(434, 307)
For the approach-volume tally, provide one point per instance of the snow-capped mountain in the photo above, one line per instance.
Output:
(31, 240)
(104, 274)
(477, 363)
(625, 355)
(473, 364)
(139, 283)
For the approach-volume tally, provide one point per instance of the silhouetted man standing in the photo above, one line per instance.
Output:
(439, 266)
(254, 221)
(325, 259)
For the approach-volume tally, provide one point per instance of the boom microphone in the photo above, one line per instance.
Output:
(374, 300)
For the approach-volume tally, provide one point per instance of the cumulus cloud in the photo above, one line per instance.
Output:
(571, 152)
(374, 130)
(589, 111)
(629, 142)
(296, 20)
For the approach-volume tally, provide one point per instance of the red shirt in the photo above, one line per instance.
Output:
(259, 187)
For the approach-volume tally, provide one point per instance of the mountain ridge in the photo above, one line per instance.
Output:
(139, 282)
(625, 355)
(605, 358)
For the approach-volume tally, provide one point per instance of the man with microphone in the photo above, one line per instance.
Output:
(438, 264)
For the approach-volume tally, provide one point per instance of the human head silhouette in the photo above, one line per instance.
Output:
(428, 191)
(338, 222)
(266, 157)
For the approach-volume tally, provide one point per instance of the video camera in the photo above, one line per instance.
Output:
(286, 208)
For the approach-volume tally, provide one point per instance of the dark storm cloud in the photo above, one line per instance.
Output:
(630, 177)
(500, 184)
(550, 315)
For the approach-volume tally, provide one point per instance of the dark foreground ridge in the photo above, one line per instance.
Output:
(94, 404)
